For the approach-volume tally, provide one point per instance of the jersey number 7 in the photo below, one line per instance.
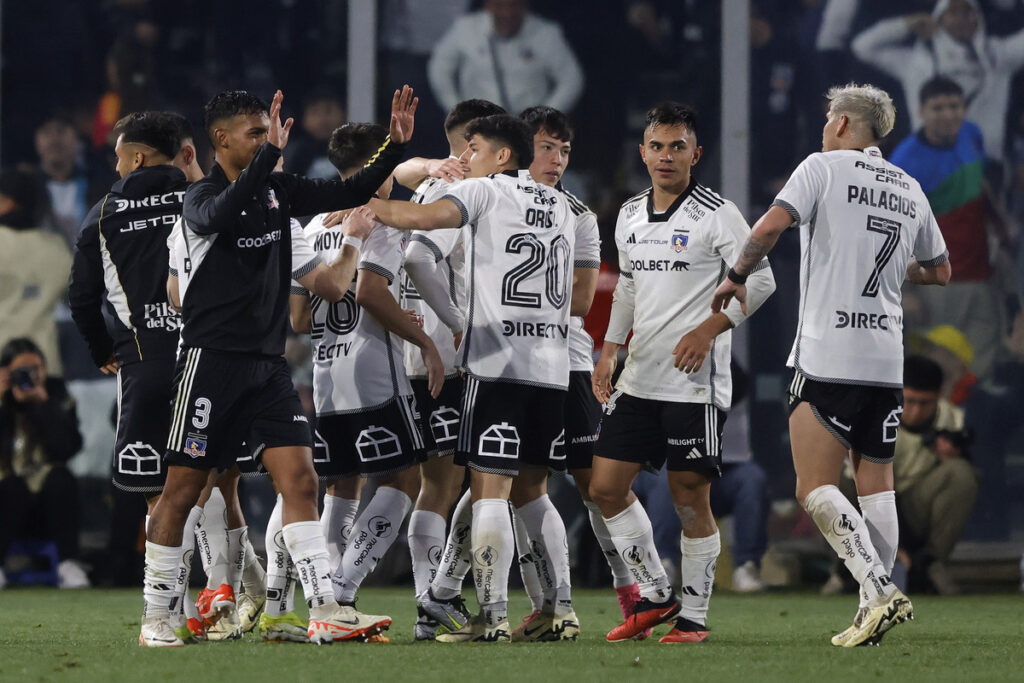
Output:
(891, 230)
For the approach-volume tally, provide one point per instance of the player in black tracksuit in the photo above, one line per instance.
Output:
(122, 258)
(232, 383)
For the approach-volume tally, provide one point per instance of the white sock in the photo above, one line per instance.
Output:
(237, 540)
(879, 510)
(426, 539)
(159, 588)
(633, 536)
(700, 556)
(550, 552)
(212, 539)
(528, 568)
(336, 520)
(844, 529)
(254, 578)
(305, 541)
(455, 563)
(373, 533)
(621, 575)
(280, 582)
(493, 550)
(188, 544)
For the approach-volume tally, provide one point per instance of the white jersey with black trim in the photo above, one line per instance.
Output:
(670, 265)
(449, 259)
(586, 254)
(518, 236)
(357, 364)
(861, 221)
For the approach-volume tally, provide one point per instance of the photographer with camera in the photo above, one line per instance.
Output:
(934, 480)
(38, 435)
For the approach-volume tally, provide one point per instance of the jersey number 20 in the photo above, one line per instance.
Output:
(537, 256)
(342, 316)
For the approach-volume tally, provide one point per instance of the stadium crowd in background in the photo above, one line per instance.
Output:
(953, 67)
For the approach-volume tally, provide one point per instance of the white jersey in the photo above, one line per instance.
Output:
(357, 364)
(861, 220)
(586, 254)
(449, 260)
(518, 236)
(670, 265)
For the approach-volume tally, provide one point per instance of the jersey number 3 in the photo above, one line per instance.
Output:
(891, 230)
(556, 275)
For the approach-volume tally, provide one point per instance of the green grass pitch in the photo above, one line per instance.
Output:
(50, 635)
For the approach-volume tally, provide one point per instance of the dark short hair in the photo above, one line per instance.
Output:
(154, 129)
(231, 103)
(672, 114)
(549, 119)
(353, 144)
(509, 131)
(939, 85)
(17, 346)
(922, 373)
(184, 126)
(467, 110)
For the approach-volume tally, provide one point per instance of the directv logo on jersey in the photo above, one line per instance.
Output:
(679, 242)
(510, 328)
(867, 321)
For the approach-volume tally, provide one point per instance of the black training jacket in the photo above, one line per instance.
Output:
(238, 245)
(122, 257)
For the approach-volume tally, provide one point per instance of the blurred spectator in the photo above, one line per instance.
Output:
(322, 112)
(951, 41)
(506, 55)
(934, 480)
(71, 183)
(36, 264)
(38, 435)
(131, 79)
(411, 31)
(948, 347)
(947, 156)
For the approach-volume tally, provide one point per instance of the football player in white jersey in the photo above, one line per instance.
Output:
(675, 241)
(540, 533)
(865, 227)
(434, 287)
(366, 414)
(518, 237)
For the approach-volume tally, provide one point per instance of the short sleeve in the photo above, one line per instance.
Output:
(804, 187)
(304, 257)
(587, 250)
(473, 197)
(625, 268)
(929, 247)
(383, 251)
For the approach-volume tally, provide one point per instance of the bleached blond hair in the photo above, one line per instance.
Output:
(866, 104)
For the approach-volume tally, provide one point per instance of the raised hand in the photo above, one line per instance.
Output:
(277, 134)
(446, 169)
(359, 223)
(403, 114)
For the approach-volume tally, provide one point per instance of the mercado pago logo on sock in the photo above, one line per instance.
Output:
(844, 524)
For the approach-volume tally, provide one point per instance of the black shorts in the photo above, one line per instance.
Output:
(862, 417)
(222, 399)
(506, 424)
(688, 436)
(370, 442)
(439, 417)
(144, 398)
(582, 418)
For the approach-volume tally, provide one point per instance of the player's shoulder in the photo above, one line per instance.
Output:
(314, 227)
(577, 207)
(706, 197)
(634, 204)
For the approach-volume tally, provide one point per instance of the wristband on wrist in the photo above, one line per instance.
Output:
(736, 277)
(352, 241)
